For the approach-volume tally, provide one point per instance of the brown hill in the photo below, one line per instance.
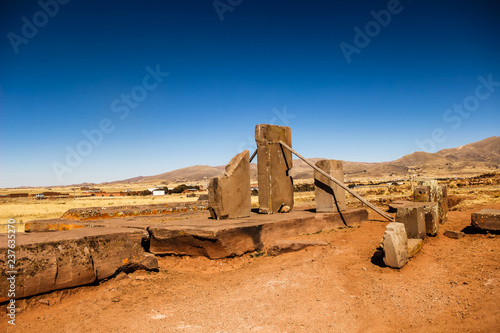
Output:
(471, 159)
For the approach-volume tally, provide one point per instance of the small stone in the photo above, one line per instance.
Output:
(140, 278)
(285, 209)
(414, 246)
(115, 299)
(454, 234)
(44, 301)
(121, 276)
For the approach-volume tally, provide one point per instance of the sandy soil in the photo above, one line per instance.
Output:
(452, 285)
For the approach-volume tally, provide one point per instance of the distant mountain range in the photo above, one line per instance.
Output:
(471, 159)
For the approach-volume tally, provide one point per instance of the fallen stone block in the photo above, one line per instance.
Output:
(51, 261)
(229, 194)
(329, 196)
(395, 245)
(285, 246)
(486, 219)
(413, 218)
(273, 165)
(454, 234)
(414, 246)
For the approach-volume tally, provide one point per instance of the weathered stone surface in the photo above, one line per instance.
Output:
(229, 194)
(413, 218)
(395, 245)
(454, 234)
(431, 211)
(329, 196)
(422, 193)
(438, 193)
(285, 246)
(273, 166)
(486, 219)
(56, 260)
(414, 246)
(393, 206)
(100, 213)
(229, 238)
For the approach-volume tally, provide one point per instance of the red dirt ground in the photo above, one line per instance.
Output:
(452, 285)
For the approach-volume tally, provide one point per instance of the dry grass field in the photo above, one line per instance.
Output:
(463, 194)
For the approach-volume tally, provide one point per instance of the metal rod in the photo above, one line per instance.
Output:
(253, 155)
(378, 211)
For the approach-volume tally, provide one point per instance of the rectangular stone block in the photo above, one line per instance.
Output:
(395, 245)
(413, 218)
(438, 193)
(486, 219)
(414, 246)
(422, 193)
(329, 196)
(431, 212)
(49, 261)
(273, 165)
(229, 195)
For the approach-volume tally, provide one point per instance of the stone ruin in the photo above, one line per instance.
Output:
(229, 194)
(87, 245)
(419, 219)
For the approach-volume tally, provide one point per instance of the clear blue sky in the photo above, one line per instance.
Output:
(370, 96)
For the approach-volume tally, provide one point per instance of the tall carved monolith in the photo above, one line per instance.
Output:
(273, 165)
(229, 194)
(329, 196)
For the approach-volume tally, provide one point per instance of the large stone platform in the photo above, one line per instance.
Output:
(64, 253)
(229, 238)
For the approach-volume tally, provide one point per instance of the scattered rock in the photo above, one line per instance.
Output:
(285, 246)
(44, 301)
(486, 219)
(121, 276)
(454, 234)
(285, 209)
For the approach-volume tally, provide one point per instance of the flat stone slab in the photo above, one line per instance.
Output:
(454, 234)
(97, 213)
(139, 222)
(49, 261)
(486, 219)
(285, 246)
(393, 206)
(414, 246)
(229, 238)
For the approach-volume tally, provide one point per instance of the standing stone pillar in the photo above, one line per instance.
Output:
(229, 194)
(329, 195)
(273, 165)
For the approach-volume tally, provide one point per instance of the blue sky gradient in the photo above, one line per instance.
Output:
(275, 62)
